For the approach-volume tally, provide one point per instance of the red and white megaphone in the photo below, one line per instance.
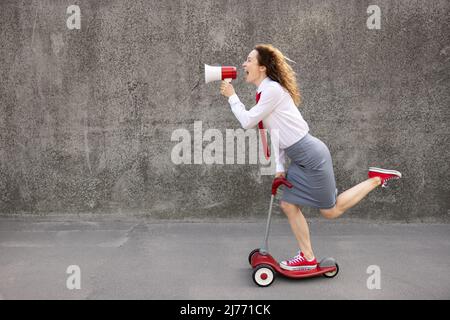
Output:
(219, 73)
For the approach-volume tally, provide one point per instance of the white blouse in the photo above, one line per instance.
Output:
(278, 112)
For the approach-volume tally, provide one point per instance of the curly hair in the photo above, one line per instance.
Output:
(278, 69)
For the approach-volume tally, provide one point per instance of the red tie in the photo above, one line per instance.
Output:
(261, 132)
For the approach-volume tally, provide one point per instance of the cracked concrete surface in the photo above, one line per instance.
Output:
(86, 116)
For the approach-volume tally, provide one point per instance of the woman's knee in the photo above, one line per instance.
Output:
(330, 213)
(288, 208)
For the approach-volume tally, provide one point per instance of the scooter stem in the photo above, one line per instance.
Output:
(277, 182)
(265, 248)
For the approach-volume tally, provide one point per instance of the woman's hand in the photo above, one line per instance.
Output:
(280, 174)
(226, 89)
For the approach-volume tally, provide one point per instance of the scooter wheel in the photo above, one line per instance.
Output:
(263, 275)
(332, 274)
(251, 255)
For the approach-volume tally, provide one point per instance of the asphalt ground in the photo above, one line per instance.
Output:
(145, 259)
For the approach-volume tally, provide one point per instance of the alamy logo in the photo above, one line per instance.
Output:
(214, 152)
(74, 21)
(374, 20)
(74, 280)
(374, 280)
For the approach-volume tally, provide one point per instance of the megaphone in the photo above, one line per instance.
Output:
(219, 73)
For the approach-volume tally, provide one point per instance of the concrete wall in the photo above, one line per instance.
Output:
(86, 116)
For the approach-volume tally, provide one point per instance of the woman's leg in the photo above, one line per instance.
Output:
(299, 227)
(351, 197)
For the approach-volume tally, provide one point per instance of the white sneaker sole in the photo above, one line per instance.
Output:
(394, 172)
(302, 268)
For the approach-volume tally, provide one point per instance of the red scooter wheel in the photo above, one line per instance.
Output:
(263, 275)
(251, 255)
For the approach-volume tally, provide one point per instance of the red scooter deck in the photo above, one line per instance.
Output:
(258, 259)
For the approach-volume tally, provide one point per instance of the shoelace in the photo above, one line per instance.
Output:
(384, 185)
(297, 258)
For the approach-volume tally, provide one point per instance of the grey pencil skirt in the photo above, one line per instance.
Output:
(311, 173)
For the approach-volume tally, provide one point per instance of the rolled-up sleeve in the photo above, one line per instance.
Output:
(267, 103)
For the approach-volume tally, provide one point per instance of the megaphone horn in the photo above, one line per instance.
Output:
(219, 73)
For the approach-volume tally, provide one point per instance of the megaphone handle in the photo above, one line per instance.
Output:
(228, 80)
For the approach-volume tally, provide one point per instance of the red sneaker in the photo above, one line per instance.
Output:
(384, 174)
(299, 262)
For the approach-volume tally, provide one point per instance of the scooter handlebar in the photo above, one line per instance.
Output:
(278, 182)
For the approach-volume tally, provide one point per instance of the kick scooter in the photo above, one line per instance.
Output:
(265, 266)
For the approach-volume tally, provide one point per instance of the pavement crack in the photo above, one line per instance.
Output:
(128, 233)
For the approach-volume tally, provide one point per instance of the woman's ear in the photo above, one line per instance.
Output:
(263, 69)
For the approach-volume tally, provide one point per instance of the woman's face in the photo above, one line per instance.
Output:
(253, 71)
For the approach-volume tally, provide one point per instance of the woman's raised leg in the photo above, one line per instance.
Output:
(351, 197)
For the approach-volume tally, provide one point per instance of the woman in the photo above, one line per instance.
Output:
(311, 168)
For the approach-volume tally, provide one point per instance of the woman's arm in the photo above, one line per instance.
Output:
(249, 118)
